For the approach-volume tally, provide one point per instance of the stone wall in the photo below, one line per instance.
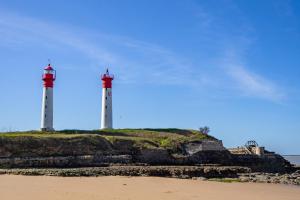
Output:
(204, 145)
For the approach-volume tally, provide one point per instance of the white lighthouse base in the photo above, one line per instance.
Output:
(106, 115)
(47, 110)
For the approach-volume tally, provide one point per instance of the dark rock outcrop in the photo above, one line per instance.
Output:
(52, 146)
(160, 171)
(95, 150)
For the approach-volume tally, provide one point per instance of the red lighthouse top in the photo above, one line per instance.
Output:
(49, 76)
(107, 79)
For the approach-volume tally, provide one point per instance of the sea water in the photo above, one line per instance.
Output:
(294, 159)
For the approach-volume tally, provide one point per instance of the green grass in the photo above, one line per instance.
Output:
(137, 141)
(149, 138)
(226, 180)
(40, 134)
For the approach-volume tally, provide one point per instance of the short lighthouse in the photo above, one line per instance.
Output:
(48, 77)
(106, 115)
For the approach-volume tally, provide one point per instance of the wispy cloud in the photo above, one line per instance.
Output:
(252, 84)
(137, 60)
(20, 29)
(249, 83)
(158, 64)
(240, 78)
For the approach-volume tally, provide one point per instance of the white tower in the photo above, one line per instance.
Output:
(106, 115)
(47, 105)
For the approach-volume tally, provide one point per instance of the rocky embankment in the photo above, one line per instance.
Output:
(214, 173)
(160, 171)
(290, 178)
(156, 147)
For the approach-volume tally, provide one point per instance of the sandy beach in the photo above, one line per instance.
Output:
(14, 187)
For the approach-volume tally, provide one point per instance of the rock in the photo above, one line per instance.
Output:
(202, 178)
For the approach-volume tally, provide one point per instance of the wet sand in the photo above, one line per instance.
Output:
(14, 187)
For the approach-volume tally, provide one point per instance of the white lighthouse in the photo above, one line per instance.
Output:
(106, 115)
(49, 77)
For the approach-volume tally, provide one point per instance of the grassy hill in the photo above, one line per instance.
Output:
(82, 148)
(166, 138)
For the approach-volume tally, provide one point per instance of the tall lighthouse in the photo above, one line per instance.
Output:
(106, 115)
(49, 77)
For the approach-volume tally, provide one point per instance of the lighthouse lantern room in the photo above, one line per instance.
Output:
(106, 115)
(48, 78)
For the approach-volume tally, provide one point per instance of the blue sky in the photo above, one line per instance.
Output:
(231, 65)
